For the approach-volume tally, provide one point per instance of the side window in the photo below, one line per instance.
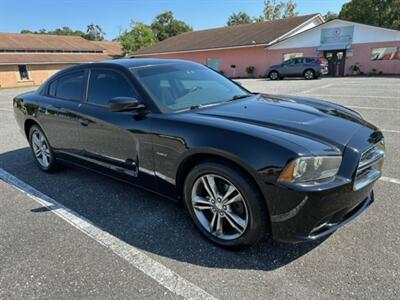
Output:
(70, 87)
(52, 88)
(107, 84)
(288, 62)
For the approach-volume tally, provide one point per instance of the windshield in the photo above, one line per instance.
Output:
(179, 86)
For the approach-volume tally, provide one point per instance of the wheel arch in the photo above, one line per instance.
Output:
(28, 125)
(204, 155)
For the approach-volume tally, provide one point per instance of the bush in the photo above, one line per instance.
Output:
(250, 70)
(355, 69)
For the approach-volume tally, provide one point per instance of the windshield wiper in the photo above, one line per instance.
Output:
(237, 97)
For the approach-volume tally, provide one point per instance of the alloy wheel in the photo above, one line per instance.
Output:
(309, 74)
(40, 149)
(219, 207)
(273, 75)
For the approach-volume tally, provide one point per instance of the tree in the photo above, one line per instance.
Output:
(239, 18)
(165, 26)
(139, 36)
(329, 16)
(274, 10)
(289, 9)
(382, 13)
(94, 33)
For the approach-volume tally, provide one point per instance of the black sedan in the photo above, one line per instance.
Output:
(243, 164)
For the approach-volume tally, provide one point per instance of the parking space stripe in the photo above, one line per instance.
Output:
(391, 180)
(373, 108)
(316, 88)
(355, 96)
(390, 130)
(157, 271)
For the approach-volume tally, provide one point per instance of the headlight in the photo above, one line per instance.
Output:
(309, 169)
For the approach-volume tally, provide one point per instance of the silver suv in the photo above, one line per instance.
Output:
(307, 67)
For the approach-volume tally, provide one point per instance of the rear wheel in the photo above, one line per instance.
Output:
(41, 150)
(273, 75)
(309, 74)
(225, 205)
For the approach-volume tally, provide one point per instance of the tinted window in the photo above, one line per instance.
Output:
(52, 88)
(70, 86)
(106, 84)
(177, 86)
(298, 60)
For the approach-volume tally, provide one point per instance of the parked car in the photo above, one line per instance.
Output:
(307, 67)
(243, 164)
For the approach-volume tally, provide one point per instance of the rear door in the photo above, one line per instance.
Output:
(118, 142)
(59, 113)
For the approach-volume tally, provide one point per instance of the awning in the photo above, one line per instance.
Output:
(337, 46)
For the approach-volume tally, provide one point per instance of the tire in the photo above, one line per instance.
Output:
(244, 207)
(273, 75)
(309, 74)
(41, 150)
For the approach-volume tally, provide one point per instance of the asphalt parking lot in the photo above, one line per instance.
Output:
(105, 240)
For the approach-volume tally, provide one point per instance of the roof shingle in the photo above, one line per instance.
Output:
(42, 58)
(43, 42)
(234, 36)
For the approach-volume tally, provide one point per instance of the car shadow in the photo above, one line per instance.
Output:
(142, 219)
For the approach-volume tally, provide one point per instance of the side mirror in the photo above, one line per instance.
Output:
(119, 104)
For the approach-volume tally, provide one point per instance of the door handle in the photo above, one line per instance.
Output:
(84, 122)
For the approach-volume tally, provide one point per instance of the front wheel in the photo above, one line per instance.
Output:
(225, 205)
(41, 150)
(309, 74)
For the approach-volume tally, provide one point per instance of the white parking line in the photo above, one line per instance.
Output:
(390, 130)
(389, 179)
(316, 88)
(160, 273)
(356, 96)
(373, 108)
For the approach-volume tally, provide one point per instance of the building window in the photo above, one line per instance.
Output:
(23, 72)
(390, 53)
(287, 56)
(214, 63)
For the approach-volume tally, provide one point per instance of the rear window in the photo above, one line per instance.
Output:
(69, 87)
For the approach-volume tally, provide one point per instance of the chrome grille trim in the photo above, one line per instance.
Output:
(370, 166)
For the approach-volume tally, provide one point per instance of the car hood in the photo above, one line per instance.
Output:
(311, 118)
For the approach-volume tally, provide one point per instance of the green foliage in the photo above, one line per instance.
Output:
(274, 10)
(250, 70)
(382, 13)
(165, 26)
(94, 32)
(329, 16)
(139, 36)
(239, 18)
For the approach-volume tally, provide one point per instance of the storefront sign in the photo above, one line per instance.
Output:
(338, 35)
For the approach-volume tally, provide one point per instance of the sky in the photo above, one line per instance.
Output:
(114, 16)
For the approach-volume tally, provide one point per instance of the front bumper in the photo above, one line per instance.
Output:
(318, 214)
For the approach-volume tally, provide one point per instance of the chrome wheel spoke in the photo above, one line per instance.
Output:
(45, 160)
(236, 222)
(229, 192)
(219, 207)
(36, 139)
(201, 203)
(237, 198)
(212, 223)
(219, 231)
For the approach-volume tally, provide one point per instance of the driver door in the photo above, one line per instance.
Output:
(116, 142)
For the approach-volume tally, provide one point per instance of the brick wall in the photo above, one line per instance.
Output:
(9, 74)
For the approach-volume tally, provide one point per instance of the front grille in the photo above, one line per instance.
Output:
(370, 165)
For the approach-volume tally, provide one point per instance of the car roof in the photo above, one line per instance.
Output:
(127, 63)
